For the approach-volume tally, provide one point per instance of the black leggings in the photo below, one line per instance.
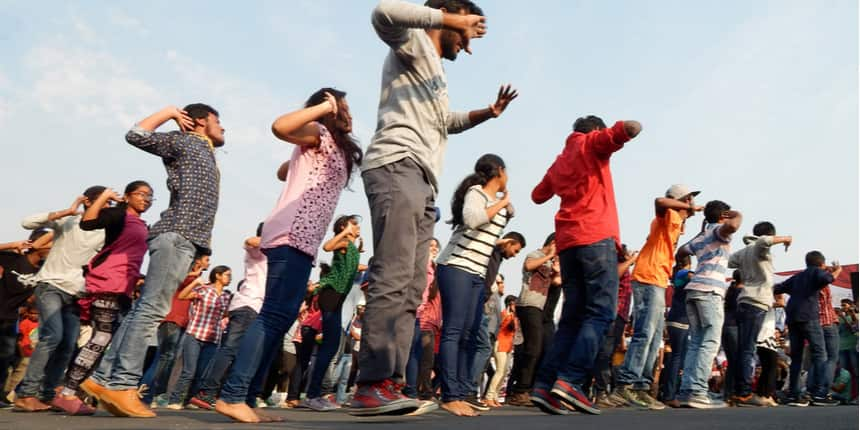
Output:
(105, 311)
(766, 386)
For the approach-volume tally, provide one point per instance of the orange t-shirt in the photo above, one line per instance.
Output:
(506, 332)
(654, 265)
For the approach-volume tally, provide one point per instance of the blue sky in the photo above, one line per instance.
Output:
(754, 103)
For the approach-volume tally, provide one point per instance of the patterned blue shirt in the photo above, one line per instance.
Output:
(192, 179)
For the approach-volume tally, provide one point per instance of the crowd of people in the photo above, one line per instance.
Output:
(422, 325)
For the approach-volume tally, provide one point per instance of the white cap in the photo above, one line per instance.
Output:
(679, 191)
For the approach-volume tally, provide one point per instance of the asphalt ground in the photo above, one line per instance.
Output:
(508, 418)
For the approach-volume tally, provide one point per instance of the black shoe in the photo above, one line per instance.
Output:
(4, 405)
(477, 404)
(824, 401)
(797, 401)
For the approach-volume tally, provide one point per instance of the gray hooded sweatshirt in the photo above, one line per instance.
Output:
(756, 265)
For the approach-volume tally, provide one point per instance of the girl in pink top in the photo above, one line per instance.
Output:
(323, 158)
(110, 280)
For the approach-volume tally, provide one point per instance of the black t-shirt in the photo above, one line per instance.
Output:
(13, 294)
(112, 220)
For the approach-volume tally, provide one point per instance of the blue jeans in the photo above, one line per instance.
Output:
(678, 343)
(170, 258)
(8, 337)
(414, 363)
(482, 348)
(240, 320)
(750, 320)
(798, 333)
(331, 331)
(705, 311)
(59, 326)
(196, 356)
(156, 377)
(590, 284)
(461, 293)
(638, 367)
(342, 371)
(286, 283)
(831, 347)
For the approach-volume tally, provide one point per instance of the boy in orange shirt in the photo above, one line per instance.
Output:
(650, 279)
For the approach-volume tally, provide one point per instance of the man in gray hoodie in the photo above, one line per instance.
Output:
(755, 263)
(400, 172)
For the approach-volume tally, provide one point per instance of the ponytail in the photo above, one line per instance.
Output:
(487, 167)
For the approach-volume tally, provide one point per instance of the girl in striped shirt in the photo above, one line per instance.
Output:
(478, 218)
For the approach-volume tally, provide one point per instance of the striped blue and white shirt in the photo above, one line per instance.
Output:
(712, 251)
(472, 243)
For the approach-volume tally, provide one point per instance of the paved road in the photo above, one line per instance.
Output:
(783, 418)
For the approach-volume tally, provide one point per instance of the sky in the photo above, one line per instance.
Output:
(753, 103)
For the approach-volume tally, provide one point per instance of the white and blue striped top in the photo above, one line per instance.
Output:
(712, 252)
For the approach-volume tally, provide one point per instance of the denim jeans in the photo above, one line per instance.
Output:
(750, 320)
(483, 349)
(286, 283)
(170, 258)
(705, 311)
(590, 284)
(831, 347)
(675, 361)
(169, 335)
(462, 311)
(638, 367)
(59, 326)
(240, 320)
(799, 333)
(342, 371)
(196, 356)
(331, 330)
(8, 337)
(413, 365)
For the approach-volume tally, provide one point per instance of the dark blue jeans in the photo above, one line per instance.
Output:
(462, 307)
(590, 283)
(196, 356)
(331, 331)
(286, 283)
(750, 320)
(8, 336)
(675, 361)
(482, 349)
(798, 334)
(169, 335)
(413, 365)
(729, 343)
(59, 326)
(240, 320)
(831, 347)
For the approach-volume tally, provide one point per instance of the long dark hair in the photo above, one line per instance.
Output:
(487, 167)
(339, 128)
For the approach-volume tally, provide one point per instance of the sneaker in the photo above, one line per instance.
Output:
(702, 402)
(203, 401)
(652, 403)
(318, 404)
(425, 406)
(72, 405)
(572, 394)
(379, 399)
(750, 400)
(797, 401)
(624, 393)
(617, 399)
(519, 399)
(824, 401)
(174, 407)
(603, 401)
(4, 405)
(547, 403)
(477, 404)
(160, 401)
(261, 403)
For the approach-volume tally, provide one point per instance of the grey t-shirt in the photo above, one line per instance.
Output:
(413, 118)
(536, 283)
(756, 265)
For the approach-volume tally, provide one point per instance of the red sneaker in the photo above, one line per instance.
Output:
(381, 398)
(573, 395)
(72, 405)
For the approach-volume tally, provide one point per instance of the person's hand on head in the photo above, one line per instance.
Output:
(183, 120)
(332, 101)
